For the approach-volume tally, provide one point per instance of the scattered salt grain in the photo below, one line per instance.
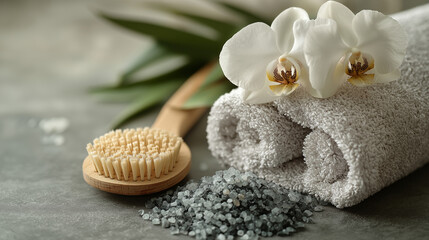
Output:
(318, 209)
(165, 223)
(231, 204)
(54, 125)
(221, 237)
(55, 139)
(172, 220)
(52, 128)
(156, 221)
(308, 213)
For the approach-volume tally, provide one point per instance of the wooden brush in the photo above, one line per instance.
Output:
(134, 154)
(146, 160)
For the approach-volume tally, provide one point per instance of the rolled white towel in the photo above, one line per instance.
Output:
(324, 160)
(344, 148)
(252, 136)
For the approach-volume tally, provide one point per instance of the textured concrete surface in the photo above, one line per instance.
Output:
(51, 52)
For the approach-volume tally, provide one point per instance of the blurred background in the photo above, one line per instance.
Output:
(129, 55)
(72, 70)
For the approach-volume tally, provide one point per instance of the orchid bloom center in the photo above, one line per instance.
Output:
(283, 73)
(359, 67)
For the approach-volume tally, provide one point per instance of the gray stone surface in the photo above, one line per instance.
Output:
(51, 52)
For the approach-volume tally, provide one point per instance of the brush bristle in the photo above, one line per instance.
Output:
(135, 154)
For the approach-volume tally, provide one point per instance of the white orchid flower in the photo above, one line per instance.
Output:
(364, 49)
(268, 62)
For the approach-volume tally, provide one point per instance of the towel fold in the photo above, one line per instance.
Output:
(342, 149)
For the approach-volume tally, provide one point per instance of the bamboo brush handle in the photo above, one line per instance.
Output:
(172, 116)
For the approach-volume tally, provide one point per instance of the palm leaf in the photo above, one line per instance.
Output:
(153, 54)
(180, 73)
(206, 96)
(149, 97)
(164, 66)
(249, 16)
(224, 29)
(172, 39)
(214, 75)
(118, 94)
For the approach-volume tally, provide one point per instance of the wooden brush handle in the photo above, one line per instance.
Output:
(172, 116)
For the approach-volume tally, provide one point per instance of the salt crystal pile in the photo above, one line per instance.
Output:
(231, 204)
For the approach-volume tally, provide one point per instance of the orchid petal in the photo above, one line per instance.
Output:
(343, 16)
(283, 25)
(300, 30)
(245, 56)
(382, 37)
(263, 95)
(323, 50)
(388, 77)
(363, 80)
(304, 81)
(283, 90)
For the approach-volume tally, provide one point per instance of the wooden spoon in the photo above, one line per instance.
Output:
(171, 118)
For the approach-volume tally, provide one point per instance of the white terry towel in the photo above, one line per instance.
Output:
(342, 149)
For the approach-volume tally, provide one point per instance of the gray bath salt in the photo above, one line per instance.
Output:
(231, 204)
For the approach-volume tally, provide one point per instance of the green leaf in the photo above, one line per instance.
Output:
(154, 53)
(128, 93)
(172, 39)
(109, 92)
(115, 94)
(182, 72)
(151, 96)
(214, 75)
(205, 54)
(205, 97)
(224, 29)
(160, 67)
(249, 16)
